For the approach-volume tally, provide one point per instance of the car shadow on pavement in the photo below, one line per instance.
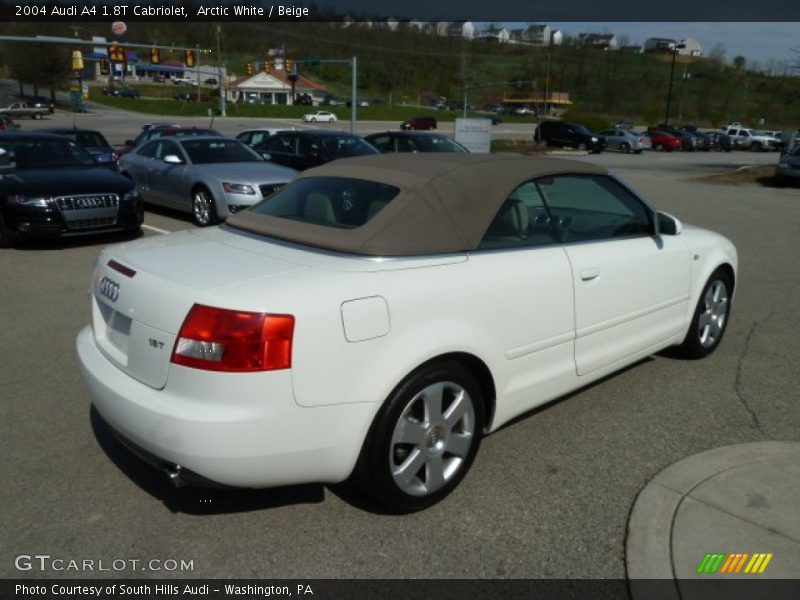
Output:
(85, 241)
(196, 500)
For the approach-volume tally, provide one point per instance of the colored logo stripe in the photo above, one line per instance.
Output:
(720, 562)
(710, 563)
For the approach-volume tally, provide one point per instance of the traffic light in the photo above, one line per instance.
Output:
(155, 56)
(190, 59)
(267, 66)
(103, 66)
(289, 65)
(249, 68)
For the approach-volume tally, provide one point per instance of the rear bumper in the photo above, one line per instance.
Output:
(235, 429)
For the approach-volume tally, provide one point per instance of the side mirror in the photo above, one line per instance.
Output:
(173, 159)
(129, 143)
(667, 224)
(266, 156)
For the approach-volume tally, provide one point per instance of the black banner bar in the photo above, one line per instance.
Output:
(710, 588)
(423, 10)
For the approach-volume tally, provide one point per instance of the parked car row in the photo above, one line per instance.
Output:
(195, 170)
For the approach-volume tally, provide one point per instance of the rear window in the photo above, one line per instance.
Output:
(86, 138)
(346, 145)
(339, 202)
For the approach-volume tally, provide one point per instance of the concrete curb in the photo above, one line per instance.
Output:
(652, 526)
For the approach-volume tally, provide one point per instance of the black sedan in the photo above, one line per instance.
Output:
(413, 141)
(51, 187)
(92, 141)
(309, 148)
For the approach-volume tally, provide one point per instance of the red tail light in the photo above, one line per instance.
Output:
(216, 339)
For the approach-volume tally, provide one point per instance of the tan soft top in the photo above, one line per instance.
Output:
(446, 201)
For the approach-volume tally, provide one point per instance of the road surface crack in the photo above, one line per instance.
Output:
(740, 369)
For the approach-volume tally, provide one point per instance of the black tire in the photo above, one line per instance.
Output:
(756, 147)
(383, 454)
(6, 241)
(582, 146)
(639, 151)
(202, 217)
(701, 340)
(625, 147)
(660, 148)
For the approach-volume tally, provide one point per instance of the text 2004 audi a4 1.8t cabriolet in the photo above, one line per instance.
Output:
(378, 315)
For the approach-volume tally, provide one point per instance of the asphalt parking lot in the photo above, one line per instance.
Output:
(549, 495)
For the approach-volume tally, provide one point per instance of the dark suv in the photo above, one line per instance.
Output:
(418, 123)
(312, 147)
(568, 135)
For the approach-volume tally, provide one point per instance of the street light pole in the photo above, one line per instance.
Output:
(669, 90)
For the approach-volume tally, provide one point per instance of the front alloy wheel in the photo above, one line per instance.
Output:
(203, 209)
(710, 317)
(424, 439)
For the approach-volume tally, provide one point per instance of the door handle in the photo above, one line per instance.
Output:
(589, 274)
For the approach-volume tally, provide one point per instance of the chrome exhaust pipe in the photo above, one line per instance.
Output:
(174, 474)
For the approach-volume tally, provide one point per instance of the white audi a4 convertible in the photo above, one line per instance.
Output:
(377, 316)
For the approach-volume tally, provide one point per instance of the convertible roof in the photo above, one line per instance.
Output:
(446, 201)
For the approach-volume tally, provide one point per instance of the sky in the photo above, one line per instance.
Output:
(755, 41)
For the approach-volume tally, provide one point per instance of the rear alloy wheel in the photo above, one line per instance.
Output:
(204, 210)
(625, 147)
(424, 439)
(582, 146)
(660, 147)
(710, 317)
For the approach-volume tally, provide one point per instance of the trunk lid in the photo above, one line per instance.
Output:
(142, 292)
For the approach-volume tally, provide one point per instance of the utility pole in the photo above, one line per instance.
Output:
(674, 49)
(222, 107)
(686, 75)
(353, 94)
(547, 78)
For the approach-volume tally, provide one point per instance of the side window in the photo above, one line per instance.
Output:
(244, 137)
(522, 221)
(256, 138)
(308, 146)
(281, 143)
(383, 143)
(148, 150)
(166, 147)
(584, 208)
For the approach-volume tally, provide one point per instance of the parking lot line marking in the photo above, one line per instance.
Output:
(156, 229)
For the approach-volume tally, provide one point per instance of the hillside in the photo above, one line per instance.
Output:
(407, 66)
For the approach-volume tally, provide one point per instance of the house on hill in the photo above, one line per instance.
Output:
(600, 41)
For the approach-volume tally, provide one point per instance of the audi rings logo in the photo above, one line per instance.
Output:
(109, 288)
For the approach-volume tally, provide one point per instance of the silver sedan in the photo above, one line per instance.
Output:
(624, 140)
(210, 177)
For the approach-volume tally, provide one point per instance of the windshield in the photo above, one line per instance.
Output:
(342, 146)
(219, 151)
(46, 153)
(340, 202)
(441, 143)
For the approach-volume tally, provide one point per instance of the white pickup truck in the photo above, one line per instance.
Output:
(21, 109)
(184, 81)
(752, 139)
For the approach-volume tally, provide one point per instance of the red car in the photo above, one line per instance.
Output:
(418, 123)
(663, 141)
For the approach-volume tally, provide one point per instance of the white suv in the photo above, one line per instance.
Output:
(752, 139)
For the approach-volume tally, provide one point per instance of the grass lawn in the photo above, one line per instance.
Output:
(376, 112)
